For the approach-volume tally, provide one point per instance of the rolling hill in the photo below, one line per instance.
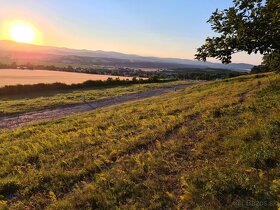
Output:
(22, 53)
(211, 146)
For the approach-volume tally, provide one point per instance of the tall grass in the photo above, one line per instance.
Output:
(213, 146)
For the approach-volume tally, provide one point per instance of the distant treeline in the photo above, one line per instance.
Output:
(179, 73)
(88, 70)
(37, 88)
(260, 69)
(204, 74)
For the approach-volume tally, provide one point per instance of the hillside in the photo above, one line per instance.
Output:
(211, 146)
(23, 53)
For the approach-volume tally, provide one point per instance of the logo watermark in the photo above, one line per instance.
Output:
(254, 203)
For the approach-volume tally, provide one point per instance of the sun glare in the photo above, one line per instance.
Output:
(22, 33)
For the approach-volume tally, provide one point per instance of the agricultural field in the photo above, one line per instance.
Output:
(210, 146)
(30, 77)
(37, 101)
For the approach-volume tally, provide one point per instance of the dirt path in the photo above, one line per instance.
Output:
(18, 120)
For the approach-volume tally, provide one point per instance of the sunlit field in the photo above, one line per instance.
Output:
(30, 77)
(149, 105)
(206, 147)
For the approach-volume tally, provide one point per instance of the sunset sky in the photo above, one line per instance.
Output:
(165, 28)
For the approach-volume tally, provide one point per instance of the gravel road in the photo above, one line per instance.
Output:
(18, 120)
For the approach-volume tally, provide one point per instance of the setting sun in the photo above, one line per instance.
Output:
(22, 33)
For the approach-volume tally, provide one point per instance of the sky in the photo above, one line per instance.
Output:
(163, 28)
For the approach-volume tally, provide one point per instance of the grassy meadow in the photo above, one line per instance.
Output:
(211, 146)
(38, 101)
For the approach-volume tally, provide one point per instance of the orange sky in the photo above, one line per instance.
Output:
(162, 29)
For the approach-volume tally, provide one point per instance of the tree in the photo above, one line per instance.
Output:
(14, 65)
(259, 69)
(272, 61)
(252, 26)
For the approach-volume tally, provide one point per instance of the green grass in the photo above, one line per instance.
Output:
(213, 146)
(31, 102)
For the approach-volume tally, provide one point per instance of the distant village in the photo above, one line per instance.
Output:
(152, 73)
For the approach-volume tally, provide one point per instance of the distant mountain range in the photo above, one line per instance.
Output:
(22, 53)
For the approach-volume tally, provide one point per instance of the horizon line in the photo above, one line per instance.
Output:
(124, 53)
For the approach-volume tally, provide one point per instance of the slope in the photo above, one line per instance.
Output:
(213, 146)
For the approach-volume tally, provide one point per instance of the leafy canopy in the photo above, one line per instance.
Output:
(249, 25)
